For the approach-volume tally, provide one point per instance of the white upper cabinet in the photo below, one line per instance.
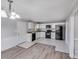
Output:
(37, 26)
(53, 35)
(31, 26)
(43, 26)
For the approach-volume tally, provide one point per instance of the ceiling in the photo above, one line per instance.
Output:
(42, 10)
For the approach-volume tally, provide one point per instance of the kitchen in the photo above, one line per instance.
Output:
(33, 32)
(38, 30)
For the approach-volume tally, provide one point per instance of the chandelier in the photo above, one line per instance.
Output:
(9, 14)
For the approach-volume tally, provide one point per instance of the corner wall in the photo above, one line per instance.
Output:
(72, 34)
(9, 33)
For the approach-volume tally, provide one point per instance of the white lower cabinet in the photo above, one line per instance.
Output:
(52, 35)
(42, 34)
(37, 35)
(29, 37)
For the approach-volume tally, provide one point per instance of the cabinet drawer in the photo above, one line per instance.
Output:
(53, 35)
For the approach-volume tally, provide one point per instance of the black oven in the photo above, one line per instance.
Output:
(48, 34)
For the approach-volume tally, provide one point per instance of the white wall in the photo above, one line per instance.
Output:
(72, 34)
(8, 34)
(21, 30)
(76, 35)
(67, 32)
(76, 26)
(71, 37)
(12, 33)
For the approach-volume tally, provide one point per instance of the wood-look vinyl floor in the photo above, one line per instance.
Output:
(37, 51)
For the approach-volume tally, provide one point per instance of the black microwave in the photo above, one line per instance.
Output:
(48, 26)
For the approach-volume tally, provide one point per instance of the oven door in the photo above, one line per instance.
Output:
(48, 35)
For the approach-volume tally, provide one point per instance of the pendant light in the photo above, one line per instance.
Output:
(11, 14)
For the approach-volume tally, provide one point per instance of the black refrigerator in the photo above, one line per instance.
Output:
(59, 33)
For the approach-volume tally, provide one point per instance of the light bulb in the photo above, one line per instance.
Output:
(3, 14)
(12, 17)
(17, 16)
(13, 13)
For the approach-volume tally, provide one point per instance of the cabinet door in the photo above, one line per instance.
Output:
(30, 25)
(37, 35)
(42, 26)
(42, 34)
(29, 37)
(52, 35)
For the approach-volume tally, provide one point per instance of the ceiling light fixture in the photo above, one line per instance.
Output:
(11, 14)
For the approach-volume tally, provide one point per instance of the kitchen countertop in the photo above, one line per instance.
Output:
(36, 31)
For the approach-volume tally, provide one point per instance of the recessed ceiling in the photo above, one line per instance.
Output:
(42, 10)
